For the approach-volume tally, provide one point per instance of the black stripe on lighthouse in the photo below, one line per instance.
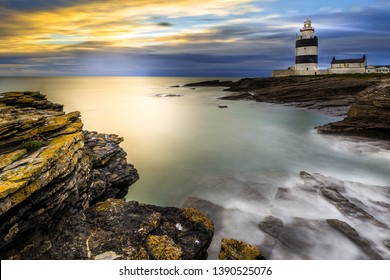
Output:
(306, 59)
(312, 42)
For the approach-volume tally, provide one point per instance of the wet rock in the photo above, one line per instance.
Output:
(348, 208)
(116, 229)
(271, 225)
(369, 116)
(211, 83)
(232, 249)
(387, 243)
(325, 201)
(169, 95)
(213, 211)
(354, 236)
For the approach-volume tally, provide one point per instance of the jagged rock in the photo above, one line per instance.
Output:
(211, 210)
(28, 99)
(347, 207)
(369, 116)
(333, 190)
(232, 249)
(116, 229)
(46, 167)
(271, 225)
(354, 236)
(111, 174)
(306, 220)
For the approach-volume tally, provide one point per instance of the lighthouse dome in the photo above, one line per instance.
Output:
(307, 26)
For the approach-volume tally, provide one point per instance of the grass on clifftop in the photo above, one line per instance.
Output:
(361, 76)
(346, 76)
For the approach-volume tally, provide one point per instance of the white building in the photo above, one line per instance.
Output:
(348, 66)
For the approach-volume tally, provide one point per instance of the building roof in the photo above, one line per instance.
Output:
(352, 60)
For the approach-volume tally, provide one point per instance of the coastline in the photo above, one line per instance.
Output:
(94, 143)
(62, 193)
(363, 100)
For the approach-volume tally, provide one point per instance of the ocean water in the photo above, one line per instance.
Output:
(185, 147)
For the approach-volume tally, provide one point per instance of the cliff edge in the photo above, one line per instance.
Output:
(62, 189)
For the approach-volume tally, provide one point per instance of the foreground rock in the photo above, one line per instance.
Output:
(369, 115)
(55, 180)
(115, 229)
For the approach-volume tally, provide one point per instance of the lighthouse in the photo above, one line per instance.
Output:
(306, 49)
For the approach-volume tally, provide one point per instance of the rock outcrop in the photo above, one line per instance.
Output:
(61, 191)
(116, 229)
(211, 83)
(369, 115)
(331, 95)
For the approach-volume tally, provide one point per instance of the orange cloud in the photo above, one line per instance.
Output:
(112, 23)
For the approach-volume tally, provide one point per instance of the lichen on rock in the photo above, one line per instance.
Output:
(163, 248)
(232, 249)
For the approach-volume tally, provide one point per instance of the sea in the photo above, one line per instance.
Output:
(186, 148)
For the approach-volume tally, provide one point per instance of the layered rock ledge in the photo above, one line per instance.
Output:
(369, 115)
(363, 99)
(62, 189)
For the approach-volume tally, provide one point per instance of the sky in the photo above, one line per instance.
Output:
(219, 38)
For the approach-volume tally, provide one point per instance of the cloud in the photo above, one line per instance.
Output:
(165, 24)
(186, 37)
(123, 24)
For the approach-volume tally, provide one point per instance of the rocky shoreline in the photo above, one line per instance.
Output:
(62, 188)
(62, 194)
(364, 100)
(318, 217)
(358, 209)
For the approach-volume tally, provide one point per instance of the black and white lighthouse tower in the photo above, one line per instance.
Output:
(306, 49)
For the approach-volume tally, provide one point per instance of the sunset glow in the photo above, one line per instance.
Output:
(63, 37)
